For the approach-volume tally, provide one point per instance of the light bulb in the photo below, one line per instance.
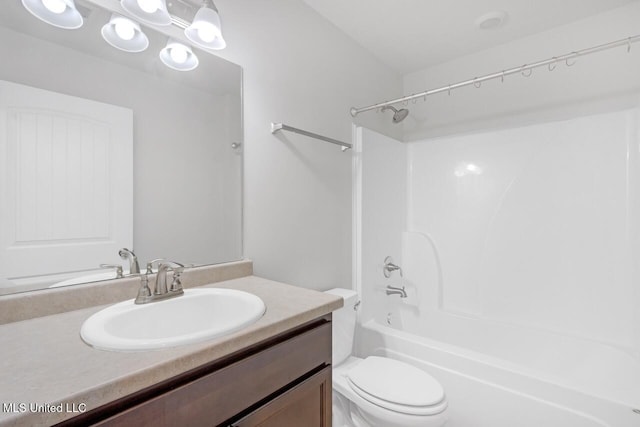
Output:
(178, 54)
(125, 29)
(149, 6)
(55, 6)
(207, 33)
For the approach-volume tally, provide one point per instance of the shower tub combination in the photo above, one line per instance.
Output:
(518, 267)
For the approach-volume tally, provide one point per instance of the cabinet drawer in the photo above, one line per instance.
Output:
(308, 404)
(218, 396)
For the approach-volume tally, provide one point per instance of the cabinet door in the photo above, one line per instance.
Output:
(307, 404)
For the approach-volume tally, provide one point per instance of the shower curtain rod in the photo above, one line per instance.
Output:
(275, 127)
(502, 74)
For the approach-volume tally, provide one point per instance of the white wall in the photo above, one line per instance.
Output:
(299, 69)
(595, 83)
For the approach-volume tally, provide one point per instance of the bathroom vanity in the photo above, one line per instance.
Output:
(285, 381)
(275, 372)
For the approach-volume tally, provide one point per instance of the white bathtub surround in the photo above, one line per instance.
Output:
(544, 227)
(518, 255)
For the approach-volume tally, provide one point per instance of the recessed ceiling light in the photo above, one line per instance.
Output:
(492, 20)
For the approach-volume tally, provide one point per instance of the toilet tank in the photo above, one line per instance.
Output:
(344, 325)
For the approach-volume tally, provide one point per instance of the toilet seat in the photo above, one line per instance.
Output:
(396, 386)
(402, 409)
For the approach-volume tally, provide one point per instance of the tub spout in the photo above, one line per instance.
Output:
(392, 290)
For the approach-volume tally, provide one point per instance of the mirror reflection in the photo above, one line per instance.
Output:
(109, 157)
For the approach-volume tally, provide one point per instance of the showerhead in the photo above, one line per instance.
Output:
(398, 115)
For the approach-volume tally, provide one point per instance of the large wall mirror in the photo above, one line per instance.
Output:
(102, 149)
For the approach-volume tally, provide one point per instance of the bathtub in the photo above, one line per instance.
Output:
(485, 390)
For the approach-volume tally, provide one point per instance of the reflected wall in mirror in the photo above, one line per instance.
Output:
(102, 149)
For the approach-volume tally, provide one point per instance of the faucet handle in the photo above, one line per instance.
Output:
(176, 284)
(119, 273)
(390, 267)
(144, 293)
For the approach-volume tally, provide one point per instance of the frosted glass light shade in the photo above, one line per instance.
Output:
(124, 34)
(178, 56)
(152, 12)
(205, 30)
(59, 13)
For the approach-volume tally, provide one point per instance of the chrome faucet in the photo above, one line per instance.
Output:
(390, 267)
(134, 267)
(160, 291)
(392, 290)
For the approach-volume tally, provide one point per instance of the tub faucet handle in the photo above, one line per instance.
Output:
(390, 267)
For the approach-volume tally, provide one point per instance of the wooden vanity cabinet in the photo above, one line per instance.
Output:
(306, 404)
(283, 382)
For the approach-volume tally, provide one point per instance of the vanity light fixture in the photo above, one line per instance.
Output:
(59, 13)
(124, 34)
(205, 30)
(152, 12)
(178, 56)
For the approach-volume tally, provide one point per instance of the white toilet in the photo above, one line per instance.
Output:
(378, 391)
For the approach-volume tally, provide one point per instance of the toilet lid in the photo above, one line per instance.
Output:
(388, 380)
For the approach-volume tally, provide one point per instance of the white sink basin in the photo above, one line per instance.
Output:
(198, 315)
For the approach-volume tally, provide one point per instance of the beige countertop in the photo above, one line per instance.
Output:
(45, 362)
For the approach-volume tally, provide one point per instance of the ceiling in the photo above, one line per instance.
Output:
(410, 35)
